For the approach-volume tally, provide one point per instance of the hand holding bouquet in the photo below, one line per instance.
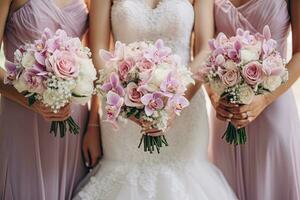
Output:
(145, 81)
(241, 67)
(55, 70)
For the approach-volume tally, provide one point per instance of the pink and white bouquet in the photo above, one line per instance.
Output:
(241, 67)
(147, 81)
(56, 70)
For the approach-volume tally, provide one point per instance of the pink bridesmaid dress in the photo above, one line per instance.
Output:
(35, 165)
(268, 166)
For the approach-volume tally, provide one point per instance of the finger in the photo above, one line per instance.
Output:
(135, 120)
(95, 156)
(86, 155)
(240, 109)
(155, 134)
(240, 116)
(152, 131)
(242, 123)
(223, 118)
(57, 118)
(224, 113)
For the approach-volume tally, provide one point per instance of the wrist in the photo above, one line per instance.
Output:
(268, 98)
(93, 125)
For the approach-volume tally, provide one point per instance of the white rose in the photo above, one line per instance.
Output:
(160, 74)
(20, 84)
(248, 56)
(83, 90)
(272, 83)
(86, 68)
(217, 86)
(27, 60)
(246, 94)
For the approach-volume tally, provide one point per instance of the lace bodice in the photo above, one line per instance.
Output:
(171, 20)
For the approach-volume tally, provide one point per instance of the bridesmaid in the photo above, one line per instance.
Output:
(34, 164)
(268, 166)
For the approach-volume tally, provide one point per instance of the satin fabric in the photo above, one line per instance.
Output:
(35, 165)
(268, 166)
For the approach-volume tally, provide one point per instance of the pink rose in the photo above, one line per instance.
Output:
(125, 67)
(63, 64)
(145, 65)
(273, 65)
(253, 73)
(230, 76)
(133, 96)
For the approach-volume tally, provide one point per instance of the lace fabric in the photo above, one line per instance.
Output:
(181, 170)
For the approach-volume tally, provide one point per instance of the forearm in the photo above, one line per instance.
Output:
(11, 93)
(94, 110)
(194, 67)
(294, 73)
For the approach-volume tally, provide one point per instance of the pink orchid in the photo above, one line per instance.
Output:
(269, 46)
(114, 85)
(245, 37)
(113, 107)
(117, 55)
(158, 53)
(178, 103)
(171, 86)
(12, 72)
(267, 32)
(34, 81)
(152, 102)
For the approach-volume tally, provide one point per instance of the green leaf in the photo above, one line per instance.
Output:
(31, 99)
(132, 111)
(77, 95)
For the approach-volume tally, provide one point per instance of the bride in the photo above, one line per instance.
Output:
(181, 171)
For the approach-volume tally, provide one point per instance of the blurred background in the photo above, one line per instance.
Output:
(296, 87)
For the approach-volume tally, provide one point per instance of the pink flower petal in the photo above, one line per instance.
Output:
(106, 87)
(105, 55)
(40, 58)
(267, 32)
(148, 111)
(146, 99)
(159, 44)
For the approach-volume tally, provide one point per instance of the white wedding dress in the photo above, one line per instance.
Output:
(181, 171)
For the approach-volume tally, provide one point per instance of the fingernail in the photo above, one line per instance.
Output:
(230, 115)
(229, 120)
(238, 127)
(87, 164)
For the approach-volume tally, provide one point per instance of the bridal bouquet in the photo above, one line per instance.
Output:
(145, 81)
(241, 67)
(56, 70)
